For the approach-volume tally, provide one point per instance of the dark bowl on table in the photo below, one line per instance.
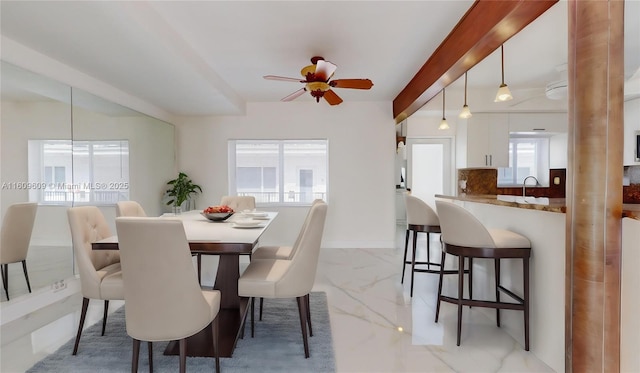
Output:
(217, 216)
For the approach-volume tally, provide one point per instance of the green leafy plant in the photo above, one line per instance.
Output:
(182, 188)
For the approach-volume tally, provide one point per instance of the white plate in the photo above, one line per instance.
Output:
(234, 225)
(246, 222)
(256, 214)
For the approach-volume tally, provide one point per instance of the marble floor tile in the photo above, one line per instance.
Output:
(376, 326)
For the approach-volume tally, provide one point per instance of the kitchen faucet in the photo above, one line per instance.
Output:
(524, 184)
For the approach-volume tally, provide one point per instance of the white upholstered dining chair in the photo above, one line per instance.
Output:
(282, 252)
(155, 255)
(239, 203)
(281, 278)
(100, 273)
(17, 227)
(129, 208)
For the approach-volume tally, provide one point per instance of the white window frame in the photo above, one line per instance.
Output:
(283, 195)
(542, 159)
(72, 192)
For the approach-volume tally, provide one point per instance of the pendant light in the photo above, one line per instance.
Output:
(503, 92)
(443, 125)
(465, 113)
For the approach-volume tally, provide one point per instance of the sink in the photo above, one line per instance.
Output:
(520, 199)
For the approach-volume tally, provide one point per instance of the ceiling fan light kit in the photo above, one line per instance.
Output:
(317, 82)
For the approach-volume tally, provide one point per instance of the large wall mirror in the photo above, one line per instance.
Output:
(62, 147)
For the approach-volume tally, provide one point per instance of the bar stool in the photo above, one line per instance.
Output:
(420, 219)
(464, 236)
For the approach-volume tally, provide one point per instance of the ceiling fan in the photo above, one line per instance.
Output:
(316, 79)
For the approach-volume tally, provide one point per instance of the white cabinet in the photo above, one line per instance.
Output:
(538, 122)
(401, 210)
(631, 126)
(488, 140)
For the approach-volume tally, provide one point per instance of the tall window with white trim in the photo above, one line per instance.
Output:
(279, 171)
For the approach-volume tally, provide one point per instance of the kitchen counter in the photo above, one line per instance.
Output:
(552, 205)
(542, 204)
(545, 226)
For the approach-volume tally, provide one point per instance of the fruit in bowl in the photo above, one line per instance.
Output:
(217, 213)
(221, 208)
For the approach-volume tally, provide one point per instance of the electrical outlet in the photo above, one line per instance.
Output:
(58, 286)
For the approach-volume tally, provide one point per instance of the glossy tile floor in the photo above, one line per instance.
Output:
(376, 326)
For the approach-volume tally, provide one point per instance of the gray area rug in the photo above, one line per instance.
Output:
(277, 346)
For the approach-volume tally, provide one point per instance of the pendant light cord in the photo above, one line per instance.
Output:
(502, 61)
(465, 88)
(443, 118)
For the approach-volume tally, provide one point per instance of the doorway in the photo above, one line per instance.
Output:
(429, 168)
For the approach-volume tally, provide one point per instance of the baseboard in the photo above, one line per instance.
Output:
(358, 244)
(43, 297)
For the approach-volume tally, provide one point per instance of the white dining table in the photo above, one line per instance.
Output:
(228, 240)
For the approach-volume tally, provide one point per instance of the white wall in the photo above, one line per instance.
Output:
(630, 298)
(361, 186)
(558, 150)
(631, 125)
(151, 160)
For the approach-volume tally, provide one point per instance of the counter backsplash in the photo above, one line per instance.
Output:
(631, 188)
(479, 181)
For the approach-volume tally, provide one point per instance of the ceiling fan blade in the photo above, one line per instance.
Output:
(283, 78)
(294, 95)
(332, 98)
(352, 83)
(324, 70)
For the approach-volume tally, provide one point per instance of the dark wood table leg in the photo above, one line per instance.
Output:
(227, 281)
(231, 315)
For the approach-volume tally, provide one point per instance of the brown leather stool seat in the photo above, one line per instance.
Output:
(464, 236)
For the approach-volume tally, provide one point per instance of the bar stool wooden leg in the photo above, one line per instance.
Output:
(525, 270)
(404, 261)
(428, 252)
(413, 260)
(460, 295)
(497, 272)
(470, 277)
(444, 255)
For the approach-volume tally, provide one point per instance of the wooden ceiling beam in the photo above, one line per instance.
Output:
(484, 27)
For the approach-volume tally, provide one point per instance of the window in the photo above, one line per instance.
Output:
(528, 156)
(64, 171)
(279, 171)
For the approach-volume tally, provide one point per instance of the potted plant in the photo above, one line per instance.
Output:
(182, 188)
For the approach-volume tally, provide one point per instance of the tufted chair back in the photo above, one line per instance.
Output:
(239, 203)
(129, 208)
(88, 225)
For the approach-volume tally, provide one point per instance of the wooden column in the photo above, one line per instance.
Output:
(594, 188)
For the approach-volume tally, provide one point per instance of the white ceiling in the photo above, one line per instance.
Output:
(208, 57)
